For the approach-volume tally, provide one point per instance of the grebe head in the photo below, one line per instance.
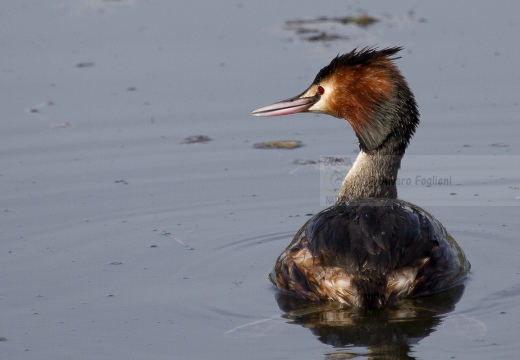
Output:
(365, 88)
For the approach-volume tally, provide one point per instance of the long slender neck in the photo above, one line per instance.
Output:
(374, 174)
(383, 138)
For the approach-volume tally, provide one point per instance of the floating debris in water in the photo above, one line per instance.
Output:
(303, 162)
(324, 36)
(362, 20)
(196, 139)
(282, 144)
(312, 29)
(169, 234)
(36, 108)
(121, 182)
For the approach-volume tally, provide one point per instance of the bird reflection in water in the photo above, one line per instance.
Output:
(388, 333)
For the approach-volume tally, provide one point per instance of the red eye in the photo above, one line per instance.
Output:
(321, 90)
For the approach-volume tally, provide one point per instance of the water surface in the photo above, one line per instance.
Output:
(119, 240)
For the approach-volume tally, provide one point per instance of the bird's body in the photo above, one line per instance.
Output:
(370, 249)
(369, 253)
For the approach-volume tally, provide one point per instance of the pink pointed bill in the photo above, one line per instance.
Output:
(293, 105)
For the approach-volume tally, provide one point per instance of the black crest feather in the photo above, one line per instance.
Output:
(364, 56)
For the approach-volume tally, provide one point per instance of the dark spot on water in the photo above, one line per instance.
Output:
(499, 145)
(84, 64)
(324, 36)
(131, 88)
(195, 139)
(165, 233)
(153, 246)
(121, 182)
(116, 263)
(303, 162)
(2, 338)
(36, 108)
(453, 193)
(303, 31)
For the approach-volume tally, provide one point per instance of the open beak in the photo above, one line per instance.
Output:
(293, 105)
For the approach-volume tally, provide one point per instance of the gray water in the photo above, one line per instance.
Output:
(119, 240)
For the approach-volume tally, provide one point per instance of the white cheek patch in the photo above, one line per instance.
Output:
(321, 106)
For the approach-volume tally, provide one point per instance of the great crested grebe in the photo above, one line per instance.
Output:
(370, 249)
